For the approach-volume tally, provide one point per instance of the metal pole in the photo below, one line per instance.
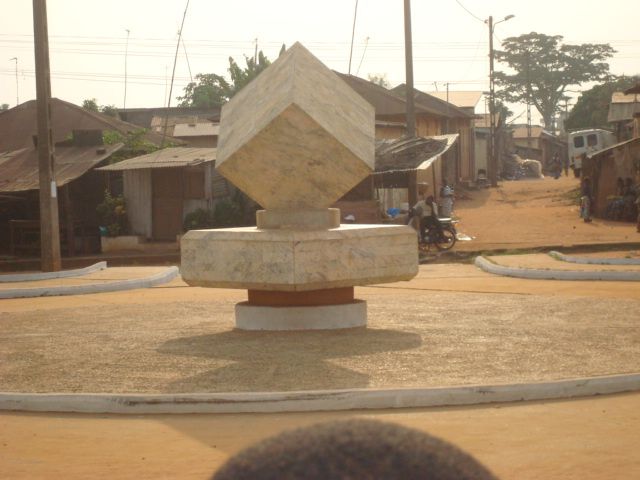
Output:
(353, 32)
(408, 51)
(49, 222)
(126, 54)
(17, 96)
(493, 167)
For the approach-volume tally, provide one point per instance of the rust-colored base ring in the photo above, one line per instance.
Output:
(311, 298)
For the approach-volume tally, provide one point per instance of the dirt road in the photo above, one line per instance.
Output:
(531, 213)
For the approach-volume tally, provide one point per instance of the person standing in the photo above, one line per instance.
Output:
(446, 199)
(586, 200)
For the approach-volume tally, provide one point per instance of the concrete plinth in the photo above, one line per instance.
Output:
(318, 317)
(285, 260)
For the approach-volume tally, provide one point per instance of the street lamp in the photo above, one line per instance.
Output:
(493, 164)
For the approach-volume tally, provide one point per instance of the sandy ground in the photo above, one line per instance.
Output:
(159, 341)
(531, 213)
(559, 327)
(586, 439)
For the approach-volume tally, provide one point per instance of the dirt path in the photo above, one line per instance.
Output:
(588, 439)
(531, 213)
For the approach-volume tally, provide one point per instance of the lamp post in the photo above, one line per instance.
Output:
(493, 163)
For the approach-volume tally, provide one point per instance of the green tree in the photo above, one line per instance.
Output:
(212, 90)
(208, 90)
(4, 106)
(379, 79)
(110, 110)
(592, 108)
(90, 104)
(543, 67)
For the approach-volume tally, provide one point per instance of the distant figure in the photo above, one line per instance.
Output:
(619, 187)
(629, 197)
(638, 209)
(353, 450)
(446, 200)
(565, 165)
(586, 200)
(556, 166)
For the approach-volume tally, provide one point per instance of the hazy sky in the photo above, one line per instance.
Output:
(88, 38)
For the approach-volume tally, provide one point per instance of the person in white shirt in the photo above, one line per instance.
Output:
(427, 210)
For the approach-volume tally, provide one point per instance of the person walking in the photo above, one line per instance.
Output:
(586, 200)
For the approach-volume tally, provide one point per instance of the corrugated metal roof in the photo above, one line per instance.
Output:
(620, 97)
(436, 105)
(634, 89)
(19, 168)
(196, 130)
(605, 151)
(520, 131)
(390, 102)
(167, 158)
(462, 99)
(623, 111)
(403, 154)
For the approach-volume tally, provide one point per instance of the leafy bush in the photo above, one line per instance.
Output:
(113, 214)
(198, 219)
(227, 214)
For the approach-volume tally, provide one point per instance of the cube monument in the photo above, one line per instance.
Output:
(296, 139)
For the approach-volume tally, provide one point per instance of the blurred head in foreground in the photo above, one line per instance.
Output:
(353, 449)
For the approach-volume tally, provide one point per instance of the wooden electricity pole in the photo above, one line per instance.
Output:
(49, 228)
(408, 53)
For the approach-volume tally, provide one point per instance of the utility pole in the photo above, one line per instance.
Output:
(408, 53)
(15, 59)
(493, 160)
(353, 32)
(49, 223)
(126, 54)
(493, 166)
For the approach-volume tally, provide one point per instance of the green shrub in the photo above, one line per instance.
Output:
(113, 214)
(199, 219)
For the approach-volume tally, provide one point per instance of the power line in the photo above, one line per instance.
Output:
(469, 12)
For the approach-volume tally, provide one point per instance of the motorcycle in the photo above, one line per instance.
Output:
(444, 241)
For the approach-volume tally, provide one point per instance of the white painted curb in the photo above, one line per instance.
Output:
(594, 261)
(115, 286)
(319, 400)
(28, 277)
(549, 274)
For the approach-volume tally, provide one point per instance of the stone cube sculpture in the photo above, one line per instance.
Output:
(296, 139)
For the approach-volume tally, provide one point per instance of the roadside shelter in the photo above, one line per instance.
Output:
(605, 167)
(79, 189)
(162, 187)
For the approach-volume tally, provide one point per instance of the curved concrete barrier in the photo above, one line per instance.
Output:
(118, 285)
(594, 261)
(29, 277)
(320, 400)
(550, 274)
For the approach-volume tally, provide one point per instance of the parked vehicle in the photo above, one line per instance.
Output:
(584, 142)
(446, 241)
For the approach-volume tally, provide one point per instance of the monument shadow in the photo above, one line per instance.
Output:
(285, 361)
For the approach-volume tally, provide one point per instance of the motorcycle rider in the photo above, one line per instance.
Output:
(427, 211)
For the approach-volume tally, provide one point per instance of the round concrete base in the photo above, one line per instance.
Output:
(322, 317)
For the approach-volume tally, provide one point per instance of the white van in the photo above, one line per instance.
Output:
(586, 142)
